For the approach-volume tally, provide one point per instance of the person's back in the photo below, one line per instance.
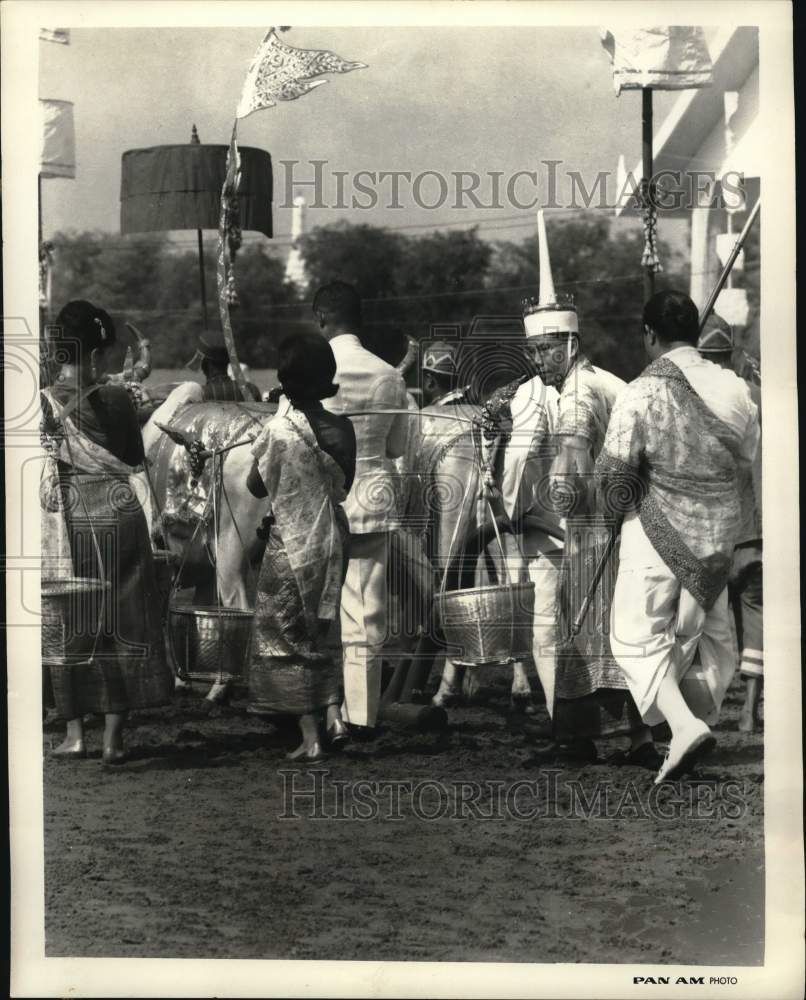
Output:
(368, 383)
(690, 447)
(678, 437)
(365, 383)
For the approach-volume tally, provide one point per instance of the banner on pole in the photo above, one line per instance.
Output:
(663, 58)
(58, 152)
(279, 72)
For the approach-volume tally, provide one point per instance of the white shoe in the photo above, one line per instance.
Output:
(685, 750)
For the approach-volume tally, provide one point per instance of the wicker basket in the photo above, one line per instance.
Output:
(71, 613)
(210, 642)
(490, 625)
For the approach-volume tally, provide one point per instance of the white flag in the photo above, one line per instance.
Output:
(664, 58)
(279, 72)
(58, 156)
(60, 35)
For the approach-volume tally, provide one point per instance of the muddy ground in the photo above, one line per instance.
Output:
(185, 851)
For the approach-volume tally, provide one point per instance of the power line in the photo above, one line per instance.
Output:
(283, 239)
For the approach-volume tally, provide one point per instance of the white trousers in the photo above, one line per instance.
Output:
(544, 558)
(363, 626)
(657, 626)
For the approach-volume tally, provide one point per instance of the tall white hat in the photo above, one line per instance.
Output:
(548, 316)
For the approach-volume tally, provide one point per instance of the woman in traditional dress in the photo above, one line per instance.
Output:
(93, 441)
(304, 461)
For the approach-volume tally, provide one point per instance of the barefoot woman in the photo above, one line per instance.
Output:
(305, 464)
(94, 441)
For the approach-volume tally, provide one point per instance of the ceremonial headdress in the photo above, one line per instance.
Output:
(550, 315)
(716, 337)
(440, 358)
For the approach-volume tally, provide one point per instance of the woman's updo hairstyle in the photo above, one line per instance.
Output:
(306, 368)
(80, 329)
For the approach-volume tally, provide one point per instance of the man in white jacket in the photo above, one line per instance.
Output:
(365, 383)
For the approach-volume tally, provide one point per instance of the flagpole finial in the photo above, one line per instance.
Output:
(547, 294)
(194, 136)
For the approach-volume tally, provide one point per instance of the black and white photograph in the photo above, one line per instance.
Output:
(402, 583)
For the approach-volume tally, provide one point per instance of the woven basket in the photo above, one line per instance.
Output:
(71, 612)
(210, 642)
(490, 625)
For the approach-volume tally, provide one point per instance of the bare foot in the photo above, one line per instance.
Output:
(69, 749)
(308, 753)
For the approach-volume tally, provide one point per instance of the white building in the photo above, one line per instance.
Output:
(295, 265)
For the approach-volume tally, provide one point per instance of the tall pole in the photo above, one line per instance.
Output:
(194, 140)
(646, 154)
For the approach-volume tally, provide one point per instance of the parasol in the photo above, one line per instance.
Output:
(179, 187)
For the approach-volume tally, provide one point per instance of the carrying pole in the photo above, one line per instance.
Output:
(195, 141)
(646, 153)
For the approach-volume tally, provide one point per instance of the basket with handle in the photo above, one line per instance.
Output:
(72, 613)
(490, 624)
(210, 643)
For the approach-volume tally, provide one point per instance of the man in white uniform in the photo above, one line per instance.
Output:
(365, 383)
(678, 440)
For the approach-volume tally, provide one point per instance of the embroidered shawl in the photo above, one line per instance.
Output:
(63, 442)
(670, 458)
(304, 485)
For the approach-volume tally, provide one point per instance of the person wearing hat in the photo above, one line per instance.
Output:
(212, 359)
(745, 587)
(591, 698)
(678, 438)
(440, 375)
(92, 511)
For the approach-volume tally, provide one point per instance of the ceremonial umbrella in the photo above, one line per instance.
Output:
(179, 187)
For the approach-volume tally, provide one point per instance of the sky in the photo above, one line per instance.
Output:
(432, 99)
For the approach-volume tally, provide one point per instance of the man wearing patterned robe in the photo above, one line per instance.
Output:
(590, 693)
(678, 439)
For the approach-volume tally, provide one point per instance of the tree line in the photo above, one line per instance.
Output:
(441, 284)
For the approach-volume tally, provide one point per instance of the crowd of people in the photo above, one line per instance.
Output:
(638, 503)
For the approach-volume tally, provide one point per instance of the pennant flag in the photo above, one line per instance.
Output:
(664, 58)
(280, 72)
(60, 35)
(58, 154)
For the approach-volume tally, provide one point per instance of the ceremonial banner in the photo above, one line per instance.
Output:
(664, 58)
(279, 72)
(58, 151)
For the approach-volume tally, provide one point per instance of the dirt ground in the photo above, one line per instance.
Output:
(184, 851)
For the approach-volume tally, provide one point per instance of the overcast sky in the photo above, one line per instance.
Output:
(436, 99)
